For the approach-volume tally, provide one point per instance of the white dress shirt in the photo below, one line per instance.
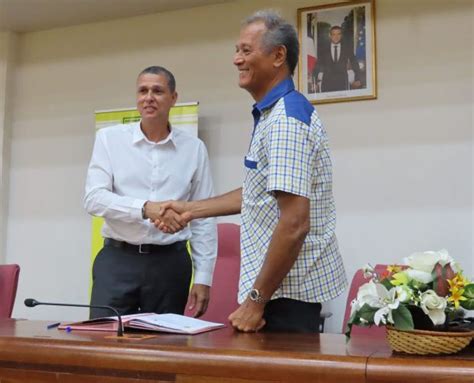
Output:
(127, 169)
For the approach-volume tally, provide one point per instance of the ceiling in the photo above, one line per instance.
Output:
(35, 15)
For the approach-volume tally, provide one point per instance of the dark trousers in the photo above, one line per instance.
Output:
(132, 282)
(289, 315)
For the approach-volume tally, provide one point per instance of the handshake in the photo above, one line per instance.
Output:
(169, 216)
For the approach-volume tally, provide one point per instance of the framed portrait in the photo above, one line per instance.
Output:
(337, 52)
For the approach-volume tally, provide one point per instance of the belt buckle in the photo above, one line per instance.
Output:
(140, 251)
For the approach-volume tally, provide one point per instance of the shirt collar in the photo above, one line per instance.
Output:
(278, 91)
(138, 135)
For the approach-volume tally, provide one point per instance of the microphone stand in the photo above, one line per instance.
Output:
(29, 302)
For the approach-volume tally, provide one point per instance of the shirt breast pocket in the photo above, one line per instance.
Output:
(250, 163)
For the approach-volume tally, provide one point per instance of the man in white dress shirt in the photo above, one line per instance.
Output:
(141, 269)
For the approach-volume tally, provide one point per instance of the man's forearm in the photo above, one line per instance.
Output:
(225, 204)
(101, 202)
(283, 251)
(285, 245)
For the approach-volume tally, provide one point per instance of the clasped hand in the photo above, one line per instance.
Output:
(169, 216)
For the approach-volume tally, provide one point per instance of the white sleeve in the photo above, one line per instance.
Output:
(204, 230)
(99, 199)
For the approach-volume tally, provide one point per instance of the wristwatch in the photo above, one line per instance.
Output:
(143, 210)
(256, 297)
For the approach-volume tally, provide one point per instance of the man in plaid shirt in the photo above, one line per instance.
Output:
(290, 261)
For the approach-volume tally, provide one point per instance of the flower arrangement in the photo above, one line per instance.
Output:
(429, 292)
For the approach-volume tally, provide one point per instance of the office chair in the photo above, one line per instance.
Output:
(8, 284)
(357, 281)
(225, 283)
(226, 277)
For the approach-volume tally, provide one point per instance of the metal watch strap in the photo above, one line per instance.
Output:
(256, 297)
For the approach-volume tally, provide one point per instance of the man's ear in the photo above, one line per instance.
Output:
(280, 56)
(175, 98)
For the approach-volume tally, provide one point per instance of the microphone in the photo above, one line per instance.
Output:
(30, 302)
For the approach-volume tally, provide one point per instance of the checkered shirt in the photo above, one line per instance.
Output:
(289, 152)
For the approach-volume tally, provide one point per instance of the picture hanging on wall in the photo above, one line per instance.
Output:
(337, 60)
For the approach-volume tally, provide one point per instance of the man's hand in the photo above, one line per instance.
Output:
(198, 299)
(171, 213)
(248, 317)
(356, 84)
(154, 211)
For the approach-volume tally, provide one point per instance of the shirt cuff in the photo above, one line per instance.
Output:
(136, 211)
(203, 278)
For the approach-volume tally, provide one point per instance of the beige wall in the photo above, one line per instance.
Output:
(8, 43)
(403, 163)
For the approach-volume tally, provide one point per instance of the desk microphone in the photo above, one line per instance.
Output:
(30, 302)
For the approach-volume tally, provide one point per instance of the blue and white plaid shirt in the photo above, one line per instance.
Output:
(289, 152)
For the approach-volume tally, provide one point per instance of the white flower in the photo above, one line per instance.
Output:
(371, 293)
(381, 316)
(404, 293)
(433, 306)
(389, 303)
(420, 276)
(426, 261)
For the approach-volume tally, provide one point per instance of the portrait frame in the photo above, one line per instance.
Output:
(337, 59)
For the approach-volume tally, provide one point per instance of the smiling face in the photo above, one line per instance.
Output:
(154, 97)
(257, 69)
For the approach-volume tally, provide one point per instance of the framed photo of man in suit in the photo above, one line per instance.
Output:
(337, 52)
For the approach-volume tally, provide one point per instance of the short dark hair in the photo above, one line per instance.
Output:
(279, 32)
(335, 27)
(159, 70)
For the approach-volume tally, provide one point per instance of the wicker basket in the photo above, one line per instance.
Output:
(428, 342)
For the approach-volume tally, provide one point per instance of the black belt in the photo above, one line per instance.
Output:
(144, 248)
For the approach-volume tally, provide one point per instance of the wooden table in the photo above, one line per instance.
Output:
(29, 353)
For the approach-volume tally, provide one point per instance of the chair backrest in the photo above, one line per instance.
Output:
(8, 284)
(357, 281)
(226, 275)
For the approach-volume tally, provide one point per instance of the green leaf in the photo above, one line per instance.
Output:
(367, 312)
(402, 318)
(360, 318)
(348, 330)
(467, 304)
(469, 291)
(352, 318)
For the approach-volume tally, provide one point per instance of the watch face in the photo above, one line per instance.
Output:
(254, 294)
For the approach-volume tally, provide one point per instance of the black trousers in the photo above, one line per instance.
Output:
(289, 315)
(132, 282)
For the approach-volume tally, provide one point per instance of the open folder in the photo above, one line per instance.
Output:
(172, 323)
